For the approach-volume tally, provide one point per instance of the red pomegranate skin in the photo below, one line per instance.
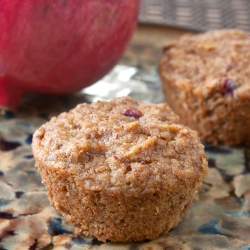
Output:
(60, 46)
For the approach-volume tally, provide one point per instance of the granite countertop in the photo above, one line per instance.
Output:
(220, 219)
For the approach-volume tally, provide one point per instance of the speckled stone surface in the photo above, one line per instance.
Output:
(220, 219)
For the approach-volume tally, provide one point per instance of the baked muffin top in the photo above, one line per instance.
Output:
(122, 146)
(215, 61)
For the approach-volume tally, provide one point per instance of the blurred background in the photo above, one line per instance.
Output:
(162, 21)
(198, 15)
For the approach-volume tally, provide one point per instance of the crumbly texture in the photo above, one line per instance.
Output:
(120, 170)
(206, 81)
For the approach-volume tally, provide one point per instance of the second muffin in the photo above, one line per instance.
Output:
(206, 81)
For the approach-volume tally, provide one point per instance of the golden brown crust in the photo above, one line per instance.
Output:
(120, 170)
(206, 82)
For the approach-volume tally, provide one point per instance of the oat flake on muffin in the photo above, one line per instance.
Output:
(120, 170)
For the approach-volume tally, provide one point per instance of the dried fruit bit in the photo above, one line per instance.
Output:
(229, 86)
(133, 113)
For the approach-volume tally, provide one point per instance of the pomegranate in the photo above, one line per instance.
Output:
(60, 46)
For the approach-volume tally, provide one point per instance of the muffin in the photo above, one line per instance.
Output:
(206, 81)
(120, 170)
